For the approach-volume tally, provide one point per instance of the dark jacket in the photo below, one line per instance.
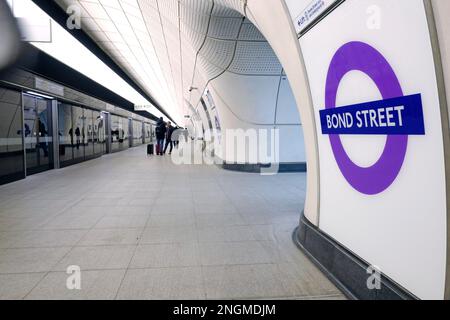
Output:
(170, 131)
(160, 130)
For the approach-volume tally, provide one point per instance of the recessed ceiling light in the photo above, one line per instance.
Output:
(40, 95)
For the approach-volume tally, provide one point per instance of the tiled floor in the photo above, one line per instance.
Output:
(143, 228)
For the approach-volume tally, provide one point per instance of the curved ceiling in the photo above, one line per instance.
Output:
(173, 48)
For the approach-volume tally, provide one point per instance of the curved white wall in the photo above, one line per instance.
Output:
(410, 214)
(259, 103)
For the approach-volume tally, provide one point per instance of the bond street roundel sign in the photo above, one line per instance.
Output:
(397, 116)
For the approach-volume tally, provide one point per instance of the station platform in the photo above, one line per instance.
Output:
(141, 227)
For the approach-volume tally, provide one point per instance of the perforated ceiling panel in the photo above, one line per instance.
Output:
(173, 48)
(224, 28)
(247, 53)
(251, 33)
(228, 8)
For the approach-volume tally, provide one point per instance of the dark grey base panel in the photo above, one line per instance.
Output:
(5, 179)
(347, 271)
(256, 168)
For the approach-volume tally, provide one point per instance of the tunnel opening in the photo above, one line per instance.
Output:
(239, 82)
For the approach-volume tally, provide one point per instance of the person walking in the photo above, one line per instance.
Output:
(169, 141)
(160, 135)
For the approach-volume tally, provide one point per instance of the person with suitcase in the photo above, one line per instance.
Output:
(169, 134)
(150, 149)
(160, 136)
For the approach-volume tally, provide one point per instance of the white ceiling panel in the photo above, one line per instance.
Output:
(169, 46)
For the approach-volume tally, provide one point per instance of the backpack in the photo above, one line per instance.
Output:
(158, 130)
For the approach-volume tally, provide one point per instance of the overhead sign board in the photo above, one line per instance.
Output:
(147, 108)
(48, 86)
(396, 116)
(311, 13)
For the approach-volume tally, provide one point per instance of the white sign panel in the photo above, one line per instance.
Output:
(34, 24)
(310, 13)
(147, 108)
(110, 107)
(49, 86)
(35, 29)
(382, 175)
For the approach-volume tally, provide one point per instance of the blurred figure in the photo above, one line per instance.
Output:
(78, 135)
(43, 138)
(169, 133)
(160, 135)
(10, 37)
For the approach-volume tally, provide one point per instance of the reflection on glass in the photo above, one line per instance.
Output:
(126, 133)
(88, 133)
(78, 133)
(119, 133)
(99, 133)
(137, 133)
(38, 134)
(11, 144)
(66, 138)
(44, 131)
(115, 132)
(148, 133)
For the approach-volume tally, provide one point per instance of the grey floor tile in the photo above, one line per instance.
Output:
(129, 221)
(30, 259)
(219, 219)
(169, 234)
(40, 238)
(104, 237)
(243, 282)
(213, 208)
(231, 253)
(166, 255)
(168, 283)
(97, 258)
(104, 195)
(95, 285)
(305, 280)
(171, 220)
(98, 202)
(141, 202)
(23, 224)
(17, 286)
(169, 209)
(71, 221)
(126, 211)
(226, 234)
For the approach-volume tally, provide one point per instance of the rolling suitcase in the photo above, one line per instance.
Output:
(157, 149)
(150, 149)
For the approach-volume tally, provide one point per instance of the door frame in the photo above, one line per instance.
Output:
(52, 161)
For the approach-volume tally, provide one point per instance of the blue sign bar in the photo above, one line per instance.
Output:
(396, 116)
